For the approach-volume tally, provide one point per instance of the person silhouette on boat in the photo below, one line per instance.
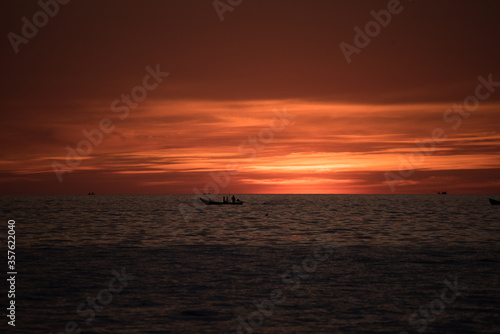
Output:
(233, 198)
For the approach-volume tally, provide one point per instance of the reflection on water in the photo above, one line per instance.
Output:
(154, 220)
(200, 276)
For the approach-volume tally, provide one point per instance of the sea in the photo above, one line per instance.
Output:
(276, 264)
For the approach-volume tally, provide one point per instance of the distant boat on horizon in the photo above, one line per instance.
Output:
(211, 202)
(494, 202)
(442, 193)
(91, 193)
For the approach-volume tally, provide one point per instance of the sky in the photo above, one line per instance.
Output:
(249, 96)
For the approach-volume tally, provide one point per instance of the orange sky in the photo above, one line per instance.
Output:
(347, 124)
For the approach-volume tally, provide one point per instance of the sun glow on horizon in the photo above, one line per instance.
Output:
(319, 148)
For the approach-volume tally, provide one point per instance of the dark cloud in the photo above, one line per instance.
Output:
(225, 79)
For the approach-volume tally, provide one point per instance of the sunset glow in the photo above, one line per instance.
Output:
(216, 110)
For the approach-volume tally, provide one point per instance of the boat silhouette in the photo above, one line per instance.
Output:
(212, 202)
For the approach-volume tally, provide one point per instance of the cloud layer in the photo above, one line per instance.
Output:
(352, 122)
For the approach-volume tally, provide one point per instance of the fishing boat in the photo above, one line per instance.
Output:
(494, 201)
(211, 202)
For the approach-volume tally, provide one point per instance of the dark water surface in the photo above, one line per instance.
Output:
(277, 264)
